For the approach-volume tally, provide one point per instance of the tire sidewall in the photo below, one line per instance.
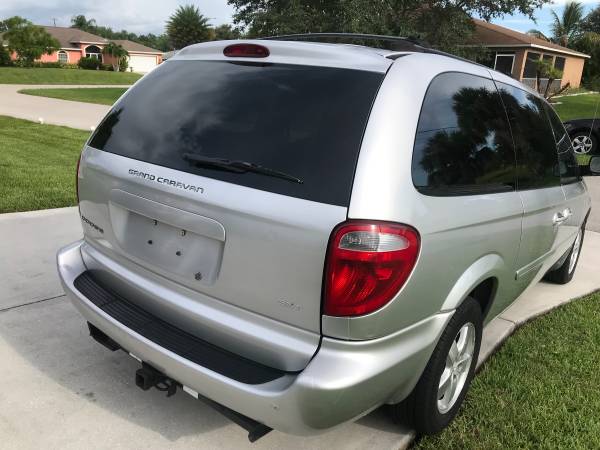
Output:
(427, 415)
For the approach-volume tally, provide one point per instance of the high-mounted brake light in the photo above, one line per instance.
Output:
(246, 51)
(367, 264)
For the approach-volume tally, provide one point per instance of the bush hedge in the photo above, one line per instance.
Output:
(89, 63)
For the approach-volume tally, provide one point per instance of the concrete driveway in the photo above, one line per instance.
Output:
(593, 184)
(62, 390)
(52, 111)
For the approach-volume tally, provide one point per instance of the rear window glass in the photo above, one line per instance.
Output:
(304, 121)
(463, 144)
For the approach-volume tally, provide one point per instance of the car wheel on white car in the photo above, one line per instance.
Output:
(436, 399)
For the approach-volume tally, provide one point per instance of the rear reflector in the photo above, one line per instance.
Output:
(367, 264)
(246, 51)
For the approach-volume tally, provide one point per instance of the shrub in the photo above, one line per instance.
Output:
(89, 63)
(123, 64)
(593, 83)
(5, 56)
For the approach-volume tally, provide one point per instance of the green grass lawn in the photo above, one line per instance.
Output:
(37, 165)
(17, 75)
(539, 391)
(102, 96)
(578, 107)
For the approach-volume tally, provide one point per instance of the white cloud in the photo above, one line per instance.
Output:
(138, 16)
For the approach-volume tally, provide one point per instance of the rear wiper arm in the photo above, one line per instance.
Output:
(237, 166)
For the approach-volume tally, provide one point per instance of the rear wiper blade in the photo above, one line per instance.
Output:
(237, 166)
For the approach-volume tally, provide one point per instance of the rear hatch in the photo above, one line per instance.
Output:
(226, 177)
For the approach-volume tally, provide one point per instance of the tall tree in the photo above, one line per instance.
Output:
(187, 26)
(567, 28)
(82, 23)
(226, 32)
(444, 23)
(28, 41)
(591, 22)
(117, 52)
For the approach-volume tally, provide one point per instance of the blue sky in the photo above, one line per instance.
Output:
(543, 17)
(148, 16)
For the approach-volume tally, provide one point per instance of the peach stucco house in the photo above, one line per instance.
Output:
(75, 44)
(515, 53)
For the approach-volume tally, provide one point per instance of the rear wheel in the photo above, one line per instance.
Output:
(565, 272)
(436, 399)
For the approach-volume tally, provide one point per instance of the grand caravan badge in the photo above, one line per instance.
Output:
(167, 181)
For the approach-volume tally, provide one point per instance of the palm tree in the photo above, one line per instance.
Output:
(80, 22)
(565, 29)
(117, 52)
(187, 26)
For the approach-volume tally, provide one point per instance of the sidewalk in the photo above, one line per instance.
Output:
(52, 111)
(75, 394)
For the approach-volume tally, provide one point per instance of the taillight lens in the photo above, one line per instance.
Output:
(246, 51)
(77, 177)
(367, 264)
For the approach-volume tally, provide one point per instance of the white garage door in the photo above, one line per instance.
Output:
(142, 63)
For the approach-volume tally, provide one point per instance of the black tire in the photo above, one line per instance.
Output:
(586, 134)
(563, 275)
(420, 410)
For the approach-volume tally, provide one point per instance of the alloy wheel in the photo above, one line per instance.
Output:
(575, 252)
(456, 371)
(582, 144)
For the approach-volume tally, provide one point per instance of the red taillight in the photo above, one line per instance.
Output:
(246, 51)
(77, 177)
(367, 264)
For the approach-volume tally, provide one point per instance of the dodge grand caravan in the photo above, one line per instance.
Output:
(301, 232)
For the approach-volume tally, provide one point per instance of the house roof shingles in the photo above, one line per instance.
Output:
(70, 36)
(488, 34)
(131, 46)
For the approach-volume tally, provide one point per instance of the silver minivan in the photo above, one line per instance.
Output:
(301, 232)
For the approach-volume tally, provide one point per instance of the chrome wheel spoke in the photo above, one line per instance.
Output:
(456, 371)
(453, 355)
(575, 252)
(445, 382)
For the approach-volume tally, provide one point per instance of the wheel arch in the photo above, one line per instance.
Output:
(479, 281)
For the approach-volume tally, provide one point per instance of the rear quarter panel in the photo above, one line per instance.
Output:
(457, 233)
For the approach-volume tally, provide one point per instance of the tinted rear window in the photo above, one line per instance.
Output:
(305, 121)
(463, 144)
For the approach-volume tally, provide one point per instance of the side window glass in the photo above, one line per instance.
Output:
(537, 159)
(463, 144)
(567, 162)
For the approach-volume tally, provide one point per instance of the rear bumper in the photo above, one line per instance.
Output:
(344, 380)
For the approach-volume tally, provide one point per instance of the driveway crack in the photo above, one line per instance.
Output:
(31, 303)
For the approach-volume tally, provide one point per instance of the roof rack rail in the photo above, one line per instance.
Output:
(410, 43)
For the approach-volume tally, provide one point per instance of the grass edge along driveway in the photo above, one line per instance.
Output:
(34, 75)
(539, 391)
(37, 165)
(99, 95)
